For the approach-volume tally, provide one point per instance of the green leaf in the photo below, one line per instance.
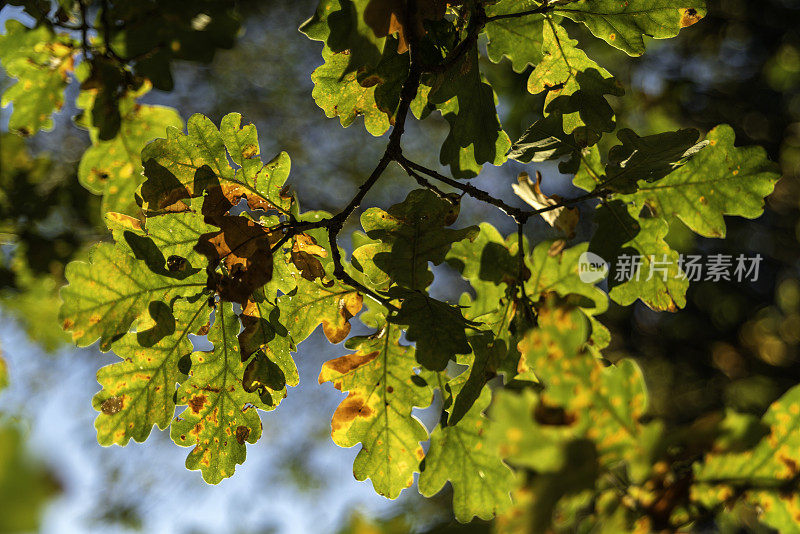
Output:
(382, 390)
(183, 165)
(341, 25)
(622, 239)
(624, 24)
(104, 296)
(221, 416)
(41, 61)
(576, 86)
(719, 180)
(313, 303)
(435, 326)
(468, 102)
(264, 335)
(649, 158)
(518, 38)
(139, 392)
(459, 453)
(490, 265)
(407, 237)
(338, 92)
(581, 398)
(113, 168)
(560, 273)
(545, 140)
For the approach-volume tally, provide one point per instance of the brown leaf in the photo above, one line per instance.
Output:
(385, 17)
(243, 248)
(304, 249)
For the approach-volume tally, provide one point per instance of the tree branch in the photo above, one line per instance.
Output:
(544, 8)
(517, 214)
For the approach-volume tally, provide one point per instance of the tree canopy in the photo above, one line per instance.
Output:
(541, 426)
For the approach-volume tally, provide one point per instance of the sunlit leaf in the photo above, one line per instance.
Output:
(576, 86)
(115, 287)
(407, 237)
(113, 167)
(220, 415)
(41, 61)
(139, 391)
(382, 390)
(625, 24)
(182, 166)
(459, 454)
(719, 180)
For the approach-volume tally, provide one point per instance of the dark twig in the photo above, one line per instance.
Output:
(422, 181)
(84, 28)
(517, 214)
(544, 8)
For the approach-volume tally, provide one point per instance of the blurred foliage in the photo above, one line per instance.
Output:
(25, 486)
(46, 217)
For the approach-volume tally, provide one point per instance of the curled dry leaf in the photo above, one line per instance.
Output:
(304, 249)
(563, 218)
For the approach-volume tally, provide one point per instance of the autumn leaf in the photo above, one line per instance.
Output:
(382, 390)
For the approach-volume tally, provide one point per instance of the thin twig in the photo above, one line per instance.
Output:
(84, 28)
(422, 181)
(517, 214)
(544, 8)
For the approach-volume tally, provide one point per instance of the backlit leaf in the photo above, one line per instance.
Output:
(641, 264)
(719, 180)
(182, 166)
(41, 61)
(435, 326)
(139, 391)
(407, 237)
(113, 167)
(220, 415)
(116, 286)
(624, 24)
(576, 86)
(459, 454)
(382, 390)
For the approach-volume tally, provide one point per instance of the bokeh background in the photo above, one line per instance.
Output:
(734, 345)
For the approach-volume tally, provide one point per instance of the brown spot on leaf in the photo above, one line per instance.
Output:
(352, 407)
(112, 405)
(242, 433)
(689, 16)
(791, 464)
(553, 415)
(345, 364)
(197, 402)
